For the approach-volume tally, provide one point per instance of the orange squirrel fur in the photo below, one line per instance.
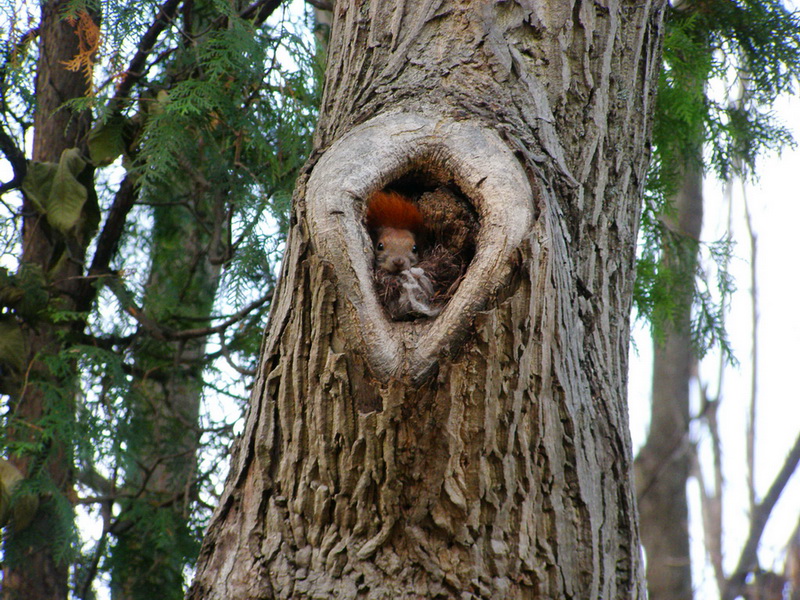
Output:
(390, 209)
(394, 222)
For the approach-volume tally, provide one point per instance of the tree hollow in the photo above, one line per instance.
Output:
(373, 155)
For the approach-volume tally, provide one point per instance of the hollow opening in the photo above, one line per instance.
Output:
(424, 231)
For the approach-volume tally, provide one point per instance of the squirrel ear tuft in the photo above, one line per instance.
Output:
(391, 209)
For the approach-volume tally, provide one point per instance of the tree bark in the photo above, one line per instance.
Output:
(484, 453)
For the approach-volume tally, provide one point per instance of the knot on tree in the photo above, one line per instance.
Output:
(477, 208)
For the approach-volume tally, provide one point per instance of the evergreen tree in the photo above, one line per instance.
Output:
(162, 211)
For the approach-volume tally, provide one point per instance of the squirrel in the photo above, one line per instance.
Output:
(394, 224)
(409, 283)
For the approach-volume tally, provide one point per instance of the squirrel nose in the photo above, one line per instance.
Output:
(399, 262)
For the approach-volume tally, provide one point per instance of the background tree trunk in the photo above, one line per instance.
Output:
(164, 429)
(188, 241)
(507, 472)
(663, 465)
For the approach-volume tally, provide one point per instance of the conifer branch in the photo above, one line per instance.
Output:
(136, 68)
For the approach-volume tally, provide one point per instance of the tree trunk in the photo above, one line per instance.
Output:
(484, 453)
(153, 536)
(662, 467)
(37, 560)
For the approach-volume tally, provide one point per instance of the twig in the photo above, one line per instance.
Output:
(16, 158)
(751, 417)
(758, 520)
(235, 318)
(711, 504)
(162, 332)
(226, 354)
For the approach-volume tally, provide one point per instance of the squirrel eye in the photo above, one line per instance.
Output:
(414, 248)
(379, 247)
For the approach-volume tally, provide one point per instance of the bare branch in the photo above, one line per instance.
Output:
(16, 157)
(749, 558)
(163, 333)
(751, 417)
(234, 318)
(108, 240)
(226, 354)
(136, 68)
(125, 298)
(711, 503)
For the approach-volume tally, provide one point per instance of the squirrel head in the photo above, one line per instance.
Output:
(395, 250)
(394, 223)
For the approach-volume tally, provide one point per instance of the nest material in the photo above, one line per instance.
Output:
(450, 221)
(422, 290)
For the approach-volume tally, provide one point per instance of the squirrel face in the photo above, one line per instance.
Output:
(395, 250)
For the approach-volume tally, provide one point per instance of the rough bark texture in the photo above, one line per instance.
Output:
(503, 468)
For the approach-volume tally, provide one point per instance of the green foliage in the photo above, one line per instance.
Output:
(749, 43)
(159, 531)
(12, 344)
(208, 143)
(19, 60)
(107, 140)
